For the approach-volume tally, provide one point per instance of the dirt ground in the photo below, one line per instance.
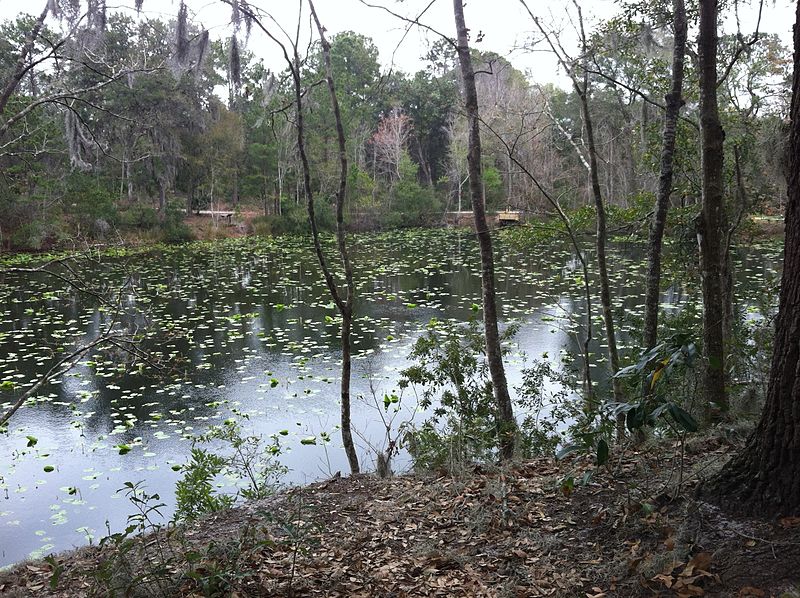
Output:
(517, 531)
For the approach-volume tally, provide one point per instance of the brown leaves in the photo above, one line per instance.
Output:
(787, 522)
(688, 580)
(484, 534)
(751, 592)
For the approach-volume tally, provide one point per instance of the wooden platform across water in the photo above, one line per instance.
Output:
(223, 215)
(466, 218)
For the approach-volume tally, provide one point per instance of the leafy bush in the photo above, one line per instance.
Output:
(196, 493)
(86, 200)
(547, 397)
(412, 204)
(37, 235)
(175, 230)
(651, 379)
(139, 215)
(294, 219)
(451, 371)
(244, 458)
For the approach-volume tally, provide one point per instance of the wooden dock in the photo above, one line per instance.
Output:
(222, 215)
(509, 217)
(466, 218)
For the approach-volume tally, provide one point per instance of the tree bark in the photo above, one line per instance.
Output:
(602, 265)
(674, 101)
(764, 479)
(506, 426)
(345, 305)
(162, 200)
(711, 217)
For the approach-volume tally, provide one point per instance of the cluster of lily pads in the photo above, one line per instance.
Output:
(245, 329)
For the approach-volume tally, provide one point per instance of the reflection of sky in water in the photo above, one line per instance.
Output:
(254, 312)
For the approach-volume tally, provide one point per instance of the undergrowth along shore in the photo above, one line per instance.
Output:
(629, 530)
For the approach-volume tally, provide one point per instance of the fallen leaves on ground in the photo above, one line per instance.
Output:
(489, 532)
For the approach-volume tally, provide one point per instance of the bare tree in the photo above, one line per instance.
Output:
(582, 89)
(390, 140)
(345, 304)
(511, 148)
(343, 300)
(506, 426)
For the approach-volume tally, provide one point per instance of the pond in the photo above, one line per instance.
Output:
(249, 332)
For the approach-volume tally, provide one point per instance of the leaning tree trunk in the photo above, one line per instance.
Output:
(506, 427)
(674, 101)
(711, 218)
(764, 479)
(582, 90)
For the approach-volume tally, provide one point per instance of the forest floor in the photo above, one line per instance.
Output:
(517, 531)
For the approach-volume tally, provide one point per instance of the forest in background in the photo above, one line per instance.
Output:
(109, 130)
(692, 378)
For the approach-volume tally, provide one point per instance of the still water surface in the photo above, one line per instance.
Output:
(247, 328)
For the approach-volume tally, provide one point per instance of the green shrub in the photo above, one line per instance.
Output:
(294, 219)
(451, 372)
(140, 216)
(175, 230)
(38, 235)
(263, 226)
(86, 200)
(196, 493)
(412, 204)
(244, 458)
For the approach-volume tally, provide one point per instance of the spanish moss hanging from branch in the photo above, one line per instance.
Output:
(181, 35)
(234, 63)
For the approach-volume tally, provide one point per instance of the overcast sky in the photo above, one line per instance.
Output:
(505, 25)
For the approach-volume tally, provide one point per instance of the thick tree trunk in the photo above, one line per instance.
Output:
(711, 217)
(506, 426)
(764, 479)
(674, 101)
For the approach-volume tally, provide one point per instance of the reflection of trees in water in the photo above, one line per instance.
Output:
(199, 290)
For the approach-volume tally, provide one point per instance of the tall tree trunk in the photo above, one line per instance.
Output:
(601, 235)
(711, 217)
(764, 479)
(674, 101)
(162, 200)
(602, 265)
(582, 90)
(506, 427)
(345, 304)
